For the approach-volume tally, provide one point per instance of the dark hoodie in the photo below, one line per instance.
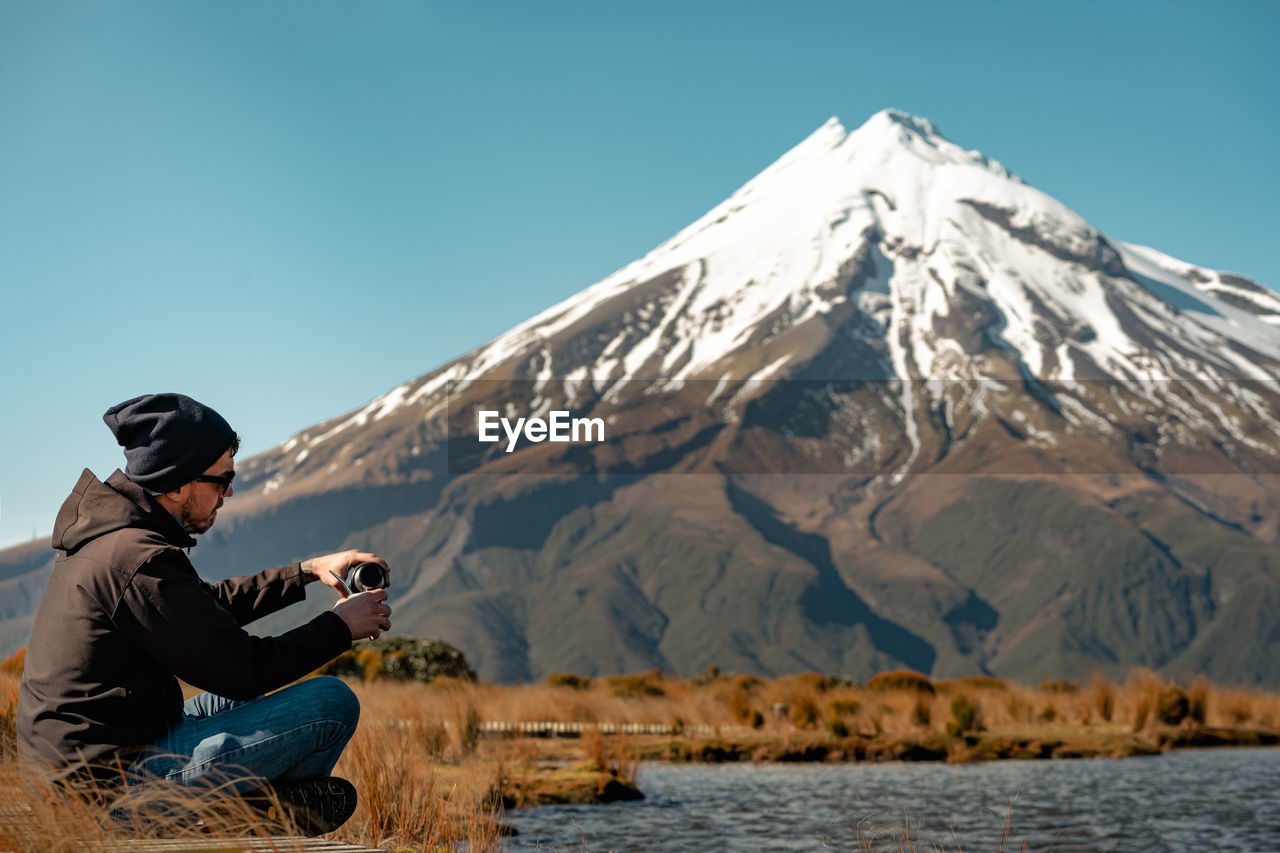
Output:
(124, 615)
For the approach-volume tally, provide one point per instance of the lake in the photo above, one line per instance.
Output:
(1210, 799)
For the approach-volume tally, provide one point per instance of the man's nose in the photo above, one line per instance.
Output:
(229, 492)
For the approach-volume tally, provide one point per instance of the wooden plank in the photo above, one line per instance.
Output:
(274, 844)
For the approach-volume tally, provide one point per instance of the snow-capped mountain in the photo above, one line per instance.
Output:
(890, 253)
(1042, 450)
(942, 220)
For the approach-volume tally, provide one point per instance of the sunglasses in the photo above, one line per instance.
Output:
(223, 480)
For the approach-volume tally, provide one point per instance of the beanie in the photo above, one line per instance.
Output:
(168, 439)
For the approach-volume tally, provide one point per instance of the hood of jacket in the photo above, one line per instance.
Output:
(95, 508)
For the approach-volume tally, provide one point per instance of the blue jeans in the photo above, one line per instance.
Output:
(295, 733)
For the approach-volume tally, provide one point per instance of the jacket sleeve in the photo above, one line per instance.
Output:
(259, 595)
(176, 618)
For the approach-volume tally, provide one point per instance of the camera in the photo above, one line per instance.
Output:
(367, 576)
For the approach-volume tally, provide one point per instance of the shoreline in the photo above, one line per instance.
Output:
(559, 776)
(1038, 742)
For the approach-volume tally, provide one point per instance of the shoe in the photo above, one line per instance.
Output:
(315, 806)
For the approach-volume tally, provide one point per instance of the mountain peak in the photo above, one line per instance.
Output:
(888, 129)
(892, 118)
(888, 120)
(896, 132)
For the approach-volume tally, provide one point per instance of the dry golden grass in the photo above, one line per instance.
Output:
(37, 817)
(732, 704)
(8, 711)
(428, 780)
(408, 797)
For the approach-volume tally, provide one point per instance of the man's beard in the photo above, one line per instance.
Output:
(193, 523)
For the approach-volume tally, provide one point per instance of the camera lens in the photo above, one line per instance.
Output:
(367, 576)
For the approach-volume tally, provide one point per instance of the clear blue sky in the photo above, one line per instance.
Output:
(286, 208)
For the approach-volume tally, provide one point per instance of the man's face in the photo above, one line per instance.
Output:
(200, 506)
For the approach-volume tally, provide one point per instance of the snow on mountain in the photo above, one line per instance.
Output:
(962, 271)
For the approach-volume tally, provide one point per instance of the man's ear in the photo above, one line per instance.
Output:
(180, 494)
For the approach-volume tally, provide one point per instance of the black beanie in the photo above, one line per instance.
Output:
(168, 439)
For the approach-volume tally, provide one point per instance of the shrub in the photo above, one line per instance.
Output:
(815, 680)
(901, 679)
(431, 736)
(1017, 708)
(1198, 699)
(567, 679)
(979, 682)
(837, 727)
(739, 701)
(1172, 705)
(964, 715)
(401, 659)
(922, 713)
(369, 662)
(1238, 709)
(710, 675)
(468, 727)
(804, 712)
(8, 716)
(845, 707)
(1060, 685)
(1142, 711)
(634, 686)
(736, 693)
(1102, 697)
(1048, 714)
(756, 719)
(14, 663)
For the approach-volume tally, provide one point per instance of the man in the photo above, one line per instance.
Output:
(124, 616)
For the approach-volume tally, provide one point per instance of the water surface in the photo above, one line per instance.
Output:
(1219, 799)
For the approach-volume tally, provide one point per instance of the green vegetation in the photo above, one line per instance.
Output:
(964, 716)
(401, 659)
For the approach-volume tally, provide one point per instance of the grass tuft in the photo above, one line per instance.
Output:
(901, 679)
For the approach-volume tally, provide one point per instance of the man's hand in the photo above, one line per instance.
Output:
(340, 564)
(367, 614)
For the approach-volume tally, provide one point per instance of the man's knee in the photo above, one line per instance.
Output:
(335, 697)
